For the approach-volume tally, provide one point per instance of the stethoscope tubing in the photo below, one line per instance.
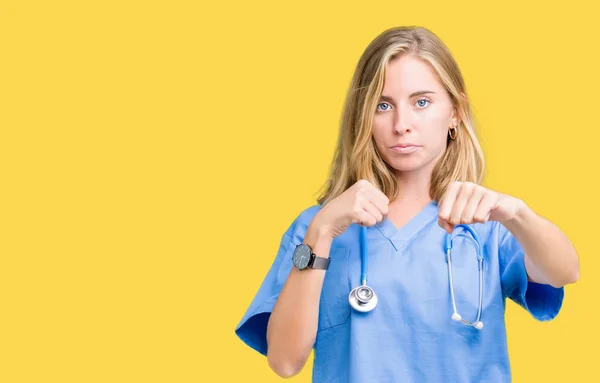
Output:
(362, 298)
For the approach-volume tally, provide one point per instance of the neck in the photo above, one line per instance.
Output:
(413, 188)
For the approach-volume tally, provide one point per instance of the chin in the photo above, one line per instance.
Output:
(407, 165)
(406, 169)
(411, 163)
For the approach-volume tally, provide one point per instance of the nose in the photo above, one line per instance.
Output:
(402, 123)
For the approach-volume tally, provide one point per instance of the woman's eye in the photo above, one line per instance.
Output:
(422, 102)
(383, 103)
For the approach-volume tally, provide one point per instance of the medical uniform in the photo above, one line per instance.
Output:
(410, 336)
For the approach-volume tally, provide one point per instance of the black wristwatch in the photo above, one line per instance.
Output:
(304, 258)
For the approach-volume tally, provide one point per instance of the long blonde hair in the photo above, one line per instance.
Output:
(356, 156)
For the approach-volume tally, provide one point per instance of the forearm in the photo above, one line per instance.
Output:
(292, 327)
(550, 257)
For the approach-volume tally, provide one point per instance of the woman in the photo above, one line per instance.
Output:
(406, 174)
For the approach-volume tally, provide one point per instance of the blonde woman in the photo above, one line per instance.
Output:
(364, 277)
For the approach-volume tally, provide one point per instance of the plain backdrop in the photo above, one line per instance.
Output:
(154, 152)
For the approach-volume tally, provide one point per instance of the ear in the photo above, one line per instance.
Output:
(454, 118)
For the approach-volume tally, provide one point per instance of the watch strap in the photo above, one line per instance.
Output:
(320, 263)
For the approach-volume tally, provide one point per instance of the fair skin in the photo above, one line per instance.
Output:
(405, 117)
(423, 120)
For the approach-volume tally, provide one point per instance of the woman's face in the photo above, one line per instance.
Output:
(413, 116)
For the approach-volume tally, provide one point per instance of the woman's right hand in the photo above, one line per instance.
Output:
(361, 203)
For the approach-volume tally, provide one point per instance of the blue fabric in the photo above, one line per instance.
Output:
(409, 336)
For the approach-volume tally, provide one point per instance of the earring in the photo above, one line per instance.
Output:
(452, 132)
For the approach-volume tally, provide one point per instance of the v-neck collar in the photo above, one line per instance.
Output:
(399, 236)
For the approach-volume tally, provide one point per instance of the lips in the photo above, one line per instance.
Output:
(405, 148)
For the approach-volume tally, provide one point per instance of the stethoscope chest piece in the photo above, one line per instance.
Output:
(363, 298)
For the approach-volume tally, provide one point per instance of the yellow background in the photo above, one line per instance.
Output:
(153, 152)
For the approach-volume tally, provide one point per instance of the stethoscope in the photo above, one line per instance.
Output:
(363, 299)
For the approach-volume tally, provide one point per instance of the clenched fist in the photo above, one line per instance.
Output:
(361, 203)
(466, 202)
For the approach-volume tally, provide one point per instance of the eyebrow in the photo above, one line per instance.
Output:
(414, 94)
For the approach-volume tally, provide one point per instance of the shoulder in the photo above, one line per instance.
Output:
(302, 220)
(492, 233)
(306, 216)
(495, 234)
(498, 240)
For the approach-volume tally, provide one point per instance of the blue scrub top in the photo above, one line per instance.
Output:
(410, 336)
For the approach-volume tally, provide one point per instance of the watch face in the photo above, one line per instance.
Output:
(302, 256)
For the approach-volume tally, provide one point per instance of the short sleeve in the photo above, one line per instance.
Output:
(252, 329)
(542, 301)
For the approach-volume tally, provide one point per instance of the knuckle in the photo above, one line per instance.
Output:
(359, 197)
(469, 187)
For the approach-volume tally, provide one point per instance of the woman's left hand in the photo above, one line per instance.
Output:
(467, 202)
